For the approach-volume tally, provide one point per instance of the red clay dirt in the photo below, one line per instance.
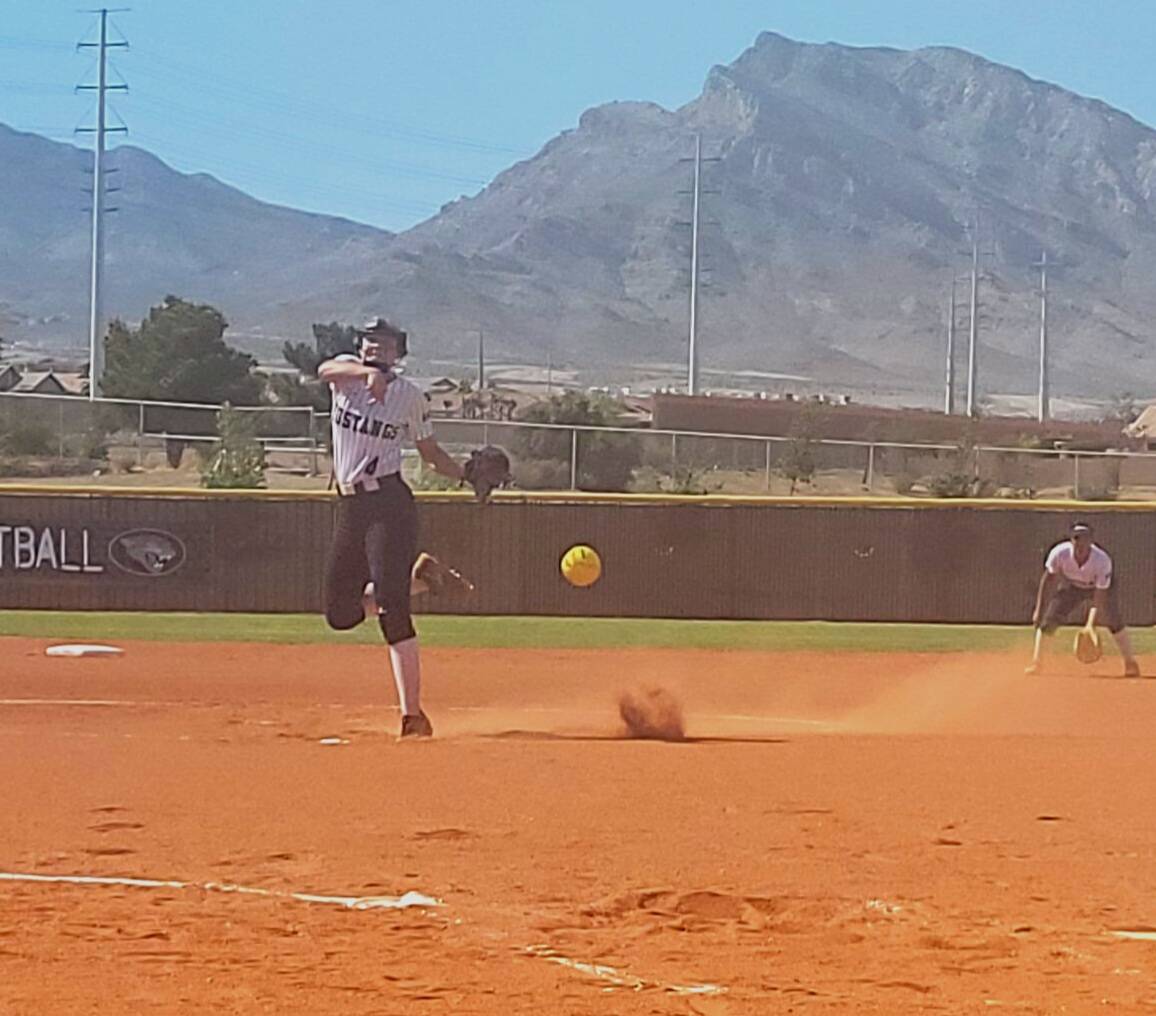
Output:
(858, 833)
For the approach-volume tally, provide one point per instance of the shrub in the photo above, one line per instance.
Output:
(30, 439)
(605, 461)
(956, 484)
(798, 462)
(541, 474)
(237, 459)
(427, 479)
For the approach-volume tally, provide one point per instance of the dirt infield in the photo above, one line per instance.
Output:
(852, 833)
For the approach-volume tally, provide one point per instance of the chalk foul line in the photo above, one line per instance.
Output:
(619, 978)
(607, 974)
(403, 902)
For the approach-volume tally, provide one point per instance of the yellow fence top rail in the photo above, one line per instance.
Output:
(588, 497)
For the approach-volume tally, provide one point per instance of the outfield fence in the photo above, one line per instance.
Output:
(128, 435)
(742, 558)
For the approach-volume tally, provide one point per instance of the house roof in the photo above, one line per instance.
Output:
(41, 382)
(1144, 425)
(74, 382)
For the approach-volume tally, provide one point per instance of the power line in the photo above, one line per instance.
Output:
(16, 42)
(246, 93)
(213, 125)
(241, 170)
(163, 66)
(44, 130)
(34, 87)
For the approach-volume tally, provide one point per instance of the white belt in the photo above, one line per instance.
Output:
(369, 485)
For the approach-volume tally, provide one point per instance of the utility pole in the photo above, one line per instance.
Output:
(481, 360)
(949, 393)
(973, 326)
(101, 130)
(1044, 408)
(692, 358)
(695, 230)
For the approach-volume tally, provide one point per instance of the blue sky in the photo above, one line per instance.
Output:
(382, 110)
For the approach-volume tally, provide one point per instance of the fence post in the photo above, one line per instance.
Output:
(140, 434)
(673, 455)
(60, 430)
(768, 458)
(574, 459)
(1076, 476)
(312, 442)
(869, 479)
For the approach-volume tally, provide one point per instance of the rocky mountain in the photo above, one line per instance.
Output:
(171, 233)
(842, 201)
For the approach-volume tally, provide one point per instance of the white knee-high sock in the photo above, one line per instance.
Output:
(406, 663)
(1038, 645)
(1124, 642)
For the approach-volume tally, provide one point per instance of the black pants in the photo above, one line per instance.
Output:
(375, 539)
(1066, 601)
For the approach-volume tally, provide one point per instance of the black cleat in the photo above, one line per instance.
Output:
(417, 725)
(438, 577)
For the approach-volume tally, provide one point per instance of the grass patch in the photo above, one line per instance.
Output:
(527, 632)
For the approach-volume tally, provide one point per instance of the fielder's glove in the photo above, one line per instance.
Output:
(487, 468)
(1087, 646)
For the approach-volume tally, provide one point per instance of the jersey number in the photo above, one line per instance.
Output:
(371, 467)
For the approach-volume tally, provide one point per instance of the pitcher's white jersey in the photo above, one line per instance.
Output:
(368, 437)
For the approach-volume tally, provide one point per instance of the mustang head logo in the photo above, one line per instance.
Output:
(150, 552)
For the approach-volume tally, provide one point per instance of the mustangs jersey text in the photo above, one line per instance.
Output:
(368, 436)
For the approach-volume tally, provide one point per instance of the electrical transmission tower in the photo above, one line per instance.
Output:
(949, 381)
(101, 131)
(695, 224)
(973, 322)
(1044, 405)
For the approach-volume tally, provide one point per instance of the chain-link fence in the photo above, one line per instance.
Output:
(60, 435)
(57, 435)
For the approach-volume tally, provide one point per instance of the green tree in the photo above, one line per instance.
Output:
(328, 341)
(605, 461)
(294, 390)
(178, 353)
(237, 459)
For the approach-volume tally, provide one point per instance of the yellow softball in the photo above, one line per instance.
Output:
(581, 565)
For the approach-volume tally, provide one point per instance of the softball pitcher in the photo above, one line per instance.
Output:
(375, 412)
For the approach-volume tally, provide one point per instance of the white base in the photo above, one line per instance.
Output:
(83, 650)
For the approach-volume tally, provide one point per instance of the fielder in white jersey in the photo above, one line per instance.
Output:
(375, 414)
(1079, 574)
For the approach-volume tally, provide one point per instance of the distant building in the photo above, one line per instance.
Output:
(789, 416)
(1143, 428)
(41, 382)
